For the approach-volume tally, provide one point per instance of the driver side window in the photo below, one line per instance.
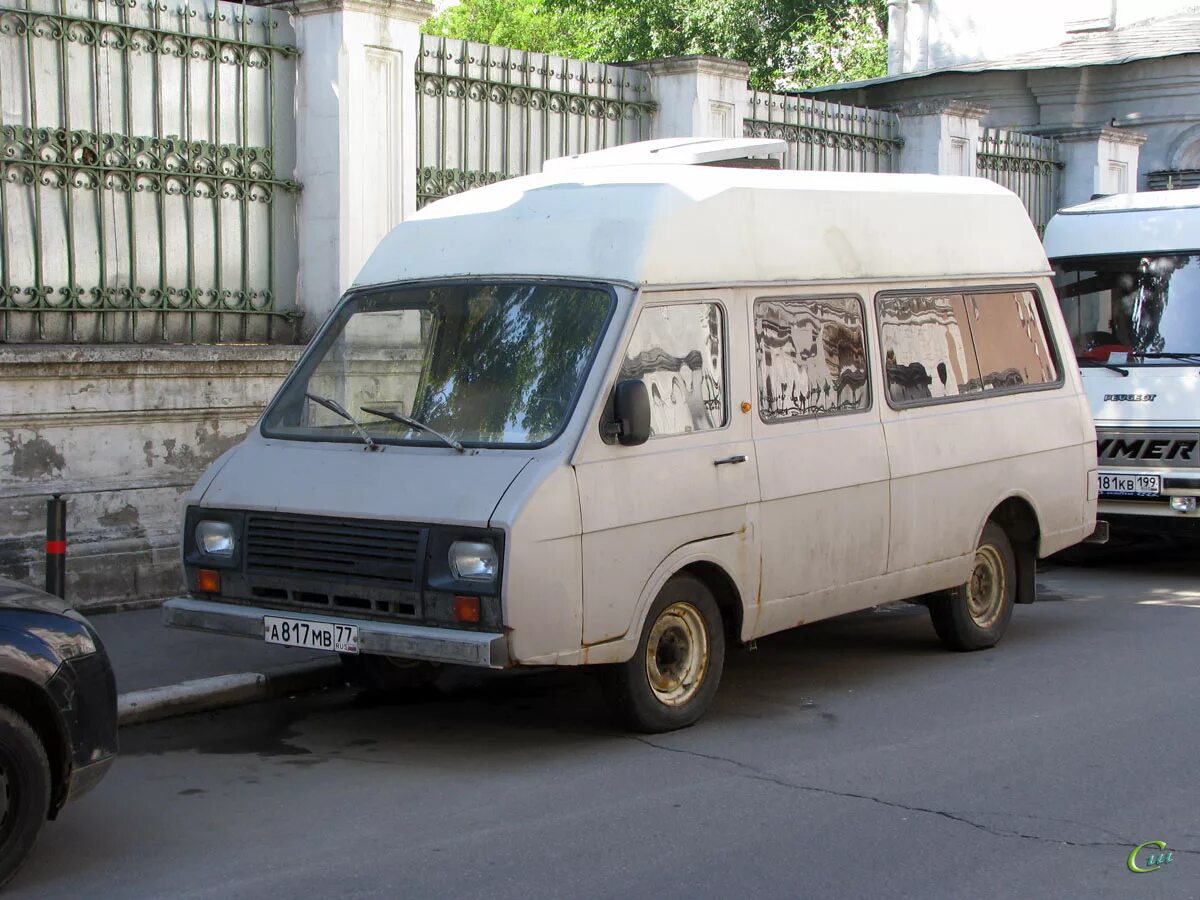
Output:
(678, 350)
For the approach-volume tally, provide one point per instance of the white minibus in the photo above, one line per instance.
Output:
(636, 409)
(1127, 272)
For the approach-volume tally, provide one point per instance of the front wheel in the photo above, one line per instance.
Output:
(975, 615)
(24, 791)
(670, 680)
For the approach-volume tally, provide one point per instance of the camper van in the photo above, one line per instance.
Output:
(1127, 271)
(648, 405)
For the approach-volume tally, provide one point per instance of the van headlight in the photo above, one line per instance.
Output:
(215, 538)
(474, 561)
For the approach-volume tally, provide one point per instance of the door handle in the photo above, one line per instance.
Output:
(730, 460)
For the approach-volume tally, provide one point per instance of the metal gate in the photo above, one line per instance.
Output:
(140, 198)
(486, 113)
(1027, 165)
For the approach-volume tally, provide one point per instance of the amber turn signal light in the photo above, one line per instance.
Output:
(466, 609)
(208, 581)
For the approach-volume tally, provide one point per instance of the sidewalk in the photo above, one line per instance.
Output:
(167, 671)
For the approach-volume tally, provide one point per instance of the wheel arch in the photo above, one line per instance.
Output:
(1017, 515)
(716, 562)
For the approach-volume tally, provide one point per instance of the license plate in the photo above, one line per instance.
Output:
(1121, 484)
(310, 635)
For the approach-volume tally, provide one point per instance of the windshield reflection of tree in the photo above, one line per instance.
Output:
(504, 360)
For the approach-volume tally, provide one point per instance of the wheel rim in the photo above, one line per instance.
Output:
(987, 588)
(677, 654)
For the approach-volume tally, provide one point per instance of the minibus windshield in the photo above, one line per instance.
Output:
(1132, 308)
(479, 364)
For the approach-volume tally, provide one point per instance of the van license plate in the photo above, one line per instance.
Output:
(310, 635)
(1120, 484)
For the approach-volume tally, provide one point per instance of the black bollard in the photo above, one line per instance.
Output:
(56, 546)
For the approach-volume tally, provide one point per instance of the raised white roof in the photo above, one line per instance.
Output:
(678, 225)
(669, 151)
(1143, 222)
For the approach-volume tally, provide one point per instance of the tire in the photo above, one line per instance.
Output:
(672, 676)
(24, 791)
(386, 675)
(975, 615)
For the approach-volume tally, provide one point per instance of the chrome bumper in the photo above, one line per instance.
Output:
(444, 645)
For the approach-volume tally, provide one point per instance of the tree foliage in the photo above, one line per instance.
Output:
(787, 43)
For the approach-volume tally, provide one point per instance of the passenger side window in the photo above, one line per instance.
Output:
(679, 352)
(811, 358)
(927, 347)
(1010, 340)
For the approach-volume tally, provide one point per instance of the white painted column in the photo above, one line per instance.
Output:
(896, 29)
(355, 137)
(941, 137)
(698, 96)
(1098, 160)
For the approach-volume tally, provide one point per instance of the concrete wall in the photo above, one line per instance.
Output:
(123, 432)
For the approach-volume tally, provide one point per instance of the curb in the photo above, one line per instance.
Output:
(204, 694)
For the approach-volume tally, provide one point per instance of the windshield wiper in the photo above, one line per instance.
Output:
(413, 423)
(1185, 357)
(335, 407)
(1095, 363)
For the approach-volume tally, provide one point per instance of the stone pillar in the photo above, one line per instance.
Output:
(941, 137)
(1096, 160)
(698, 96)
(355, 137)
(896, 30)
(916, 36)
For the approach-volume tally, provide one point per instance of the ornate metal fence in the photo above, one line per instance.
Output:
(140, 152)
(1027, 165)
(487, 113)
(825, 136)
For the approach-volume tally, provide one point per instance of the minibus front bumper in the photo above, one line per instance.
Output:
(443, 645)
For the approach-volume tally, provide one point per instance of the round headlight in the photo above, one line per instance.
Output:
(215, 538)
(473, 561)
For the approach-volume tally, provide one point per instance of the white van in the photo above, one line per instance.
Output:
(1128, 277)
(621, 415)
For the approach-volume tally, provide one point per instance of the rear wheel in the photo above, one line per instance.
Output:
(24, 791)
(975, 615)
(670, 680)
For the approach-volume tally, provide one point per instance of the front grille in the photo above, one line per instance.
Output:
(368, 552)
(1169, 449)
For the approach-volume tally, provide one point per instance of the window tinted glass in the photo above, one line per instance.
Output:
(811, 357)
(927, 347)
(1010, 341)
(679, 351)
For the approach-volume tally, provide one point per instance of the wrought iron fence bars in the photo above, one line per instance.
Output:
(130, 189)
(1027, 164)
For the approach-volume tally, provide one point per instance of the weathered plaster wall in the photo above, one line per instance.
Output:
(122, 432)
(1155, 98)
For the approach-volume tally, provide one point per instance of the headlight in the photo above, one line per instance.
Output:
(473, 561)
(215, 538)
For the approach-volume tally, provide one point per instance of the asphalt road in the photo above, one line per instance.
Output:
(853, 758)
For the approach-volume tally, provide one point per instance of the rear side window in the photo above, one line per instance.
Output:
(955, 345)
(812, 358)
(678, 350)
(927, 347)
(1010, 340)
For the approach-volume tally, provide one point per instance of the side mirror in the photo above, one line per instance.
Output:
(630, 422)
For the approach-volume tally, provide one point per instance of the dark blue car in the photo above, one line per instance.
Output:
(58, 714)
